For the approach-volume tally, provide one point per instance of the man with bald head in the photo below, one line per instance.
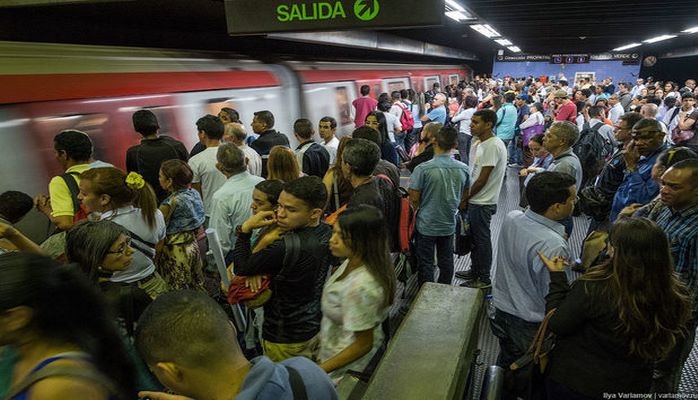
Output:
(236, 133)
(438, 110)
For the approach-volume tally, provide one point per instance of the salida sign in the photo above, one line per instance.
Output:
(298, 16)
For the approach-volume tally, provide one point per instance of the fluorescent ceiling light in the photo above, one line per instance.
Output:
(514, 49)
(691, 30)
(458, 16)
(503, 42)
(455, 5)
(659, 38)
(485, 30)
(627, 46)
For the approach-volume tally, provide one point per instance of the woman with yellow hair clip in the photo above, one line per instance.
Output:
(110, 194)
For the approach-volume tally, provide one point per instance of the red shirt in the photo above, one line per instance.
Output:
(363, 105)
(567, 112)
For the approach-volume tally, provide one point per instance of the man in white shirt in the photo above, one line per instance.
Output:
(616, 108)
(392, 122)
(637, 89)
(486, 176)
(327, 128)
(230, 205)
(207, 178)
(236, 133)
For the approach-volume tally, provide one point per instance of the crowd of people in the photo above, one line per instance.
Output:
(314, 227)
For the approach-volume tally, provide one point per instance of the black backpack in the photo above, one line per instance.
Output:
(593, 150)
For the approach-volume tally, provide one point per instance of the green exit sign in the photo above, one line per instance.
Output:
(246, 18)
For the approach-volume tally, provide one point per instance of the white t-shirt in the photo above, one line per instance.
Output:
(393, 124)
(331, 148)
(490, 153)
(204, 167)
(350, 305)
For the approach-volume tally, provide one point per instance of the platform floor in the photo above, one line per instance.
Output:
(488, 346)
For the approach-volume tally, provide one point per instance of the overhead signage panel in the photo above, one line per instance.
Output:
(271, 16)
(570, 58)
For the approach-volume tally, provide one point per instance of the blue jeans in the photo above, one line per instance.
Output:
(515, 336)
(425, 258)
(481, 256)
(464, 141)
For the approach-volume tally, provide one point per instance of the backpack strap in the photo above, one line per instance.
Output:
(144, 246)
(597, 126)
(63, 371)
(292, 244)
(73, 188)
(297, 385)
(504, 112)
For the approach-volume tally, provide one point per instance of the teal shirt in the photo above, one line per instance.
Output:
(506, 121)
(441, 182)
(8, 358)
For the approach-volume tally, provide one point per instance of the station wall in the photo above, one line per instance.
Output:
(602, 69)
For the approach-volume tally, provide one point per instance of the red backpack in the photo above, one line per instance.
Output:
(406, 118)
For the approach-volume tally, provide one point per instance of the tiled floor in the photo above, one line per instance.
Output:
(488, 345)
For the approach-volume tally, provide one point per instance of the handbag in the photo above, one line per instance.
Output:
(239, 293)
(531, 131)
(679, 136)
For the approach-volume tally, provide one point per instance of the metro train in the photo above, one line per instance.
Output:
(46, 88)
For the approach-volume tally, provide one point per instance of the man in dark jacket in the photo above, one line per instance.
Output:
(295, 254)
(146, 157)
(263, 125)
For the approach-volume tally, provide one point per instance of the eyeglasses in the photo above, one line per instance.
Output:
(125, 246)
(639, 135)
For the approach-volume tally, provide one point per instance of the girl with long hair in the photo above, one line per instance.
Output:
(282, 164)
(101, 248)
(619, 318)
(339, 189)
(110, 194)
(179, 259)
(54, 323)
(357, 296)
(377, 121)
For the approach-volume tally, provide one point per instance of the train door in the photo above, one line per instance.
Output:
(429, 82)
(331, 99)
(194, 105)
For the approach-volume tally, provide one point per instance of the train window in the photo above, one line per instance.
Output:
(165, 116)
(94, 125)
(214, 106)
(343, 106)
(392, 85)
(429, 82)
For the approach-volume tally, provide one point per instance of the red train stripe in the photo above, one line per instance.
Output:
(26, 88)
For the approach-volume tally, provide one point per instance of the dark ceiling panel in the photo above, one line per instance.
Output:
(535, 26)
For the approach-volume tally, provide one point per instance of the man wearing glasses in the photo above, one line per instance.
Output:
(647, 141)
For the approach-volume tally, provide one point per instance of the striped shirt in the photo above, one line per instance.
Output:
(681, 227)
